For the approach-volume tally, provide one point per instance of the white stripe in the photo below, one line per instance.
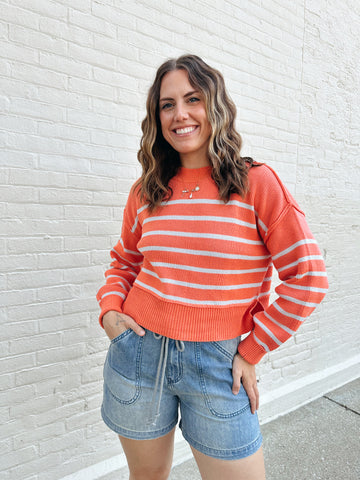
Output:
(264, 294)
(119, 294)
(299, 276)
(144, 207)
(288, 314)
(205, 201)
(262, 225)
(300, 260)
(267, 331)
(212, 236)
(299, 302)
(208, 270)
(118, 276)
(283, 327)
(307, 289)
(201, 286)
(257, 340)
(201, 218)
(203, 253)
(191, 300)
(121, 282)
(123, 260)
(306, 241)
(135, 224)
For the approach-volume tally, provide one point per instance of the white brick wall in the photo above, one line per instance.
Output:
(74, 77)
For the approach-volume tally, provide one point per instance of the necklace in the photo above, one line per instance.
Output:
(190, 191)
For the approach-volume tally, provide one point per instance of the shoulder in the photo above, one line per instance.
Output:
(264, 180)
(267, 192)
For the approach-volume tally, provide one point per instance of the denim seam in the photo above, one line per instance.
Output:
(206, 396)
(226, 453)
(137, 376)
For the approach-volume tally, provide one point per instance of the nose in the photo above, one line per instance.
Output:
(180, 113)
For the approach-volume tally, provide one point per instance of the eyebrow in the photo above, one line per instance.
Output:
(185, 96)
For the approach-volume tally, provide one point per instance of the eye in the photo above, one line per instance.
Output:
(194, 99)
(166, 106)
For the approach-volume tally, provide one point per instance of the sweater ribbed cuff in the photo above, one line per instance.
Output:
(250, 350)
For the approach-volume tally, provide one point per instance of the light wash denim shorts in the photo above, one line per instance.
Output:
(148, 379)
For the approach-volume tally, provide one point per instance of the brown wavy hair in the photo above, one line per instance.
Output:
(160, 162)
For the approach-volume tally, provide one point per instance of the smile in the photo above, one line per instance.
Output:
(182, 131)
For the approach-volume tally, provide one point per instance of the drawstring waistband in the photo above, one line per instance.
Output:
(160, 374)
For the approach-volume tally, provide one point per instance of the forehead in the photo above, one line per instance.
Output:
(175, 82)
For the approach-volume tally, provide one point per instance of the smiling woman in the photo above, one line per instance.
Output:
(191, 274)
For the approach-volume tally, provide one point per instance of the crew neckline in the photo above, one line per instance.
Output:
(194, 174)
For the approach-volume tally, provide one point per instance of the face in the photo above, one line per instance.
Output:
(183, 118)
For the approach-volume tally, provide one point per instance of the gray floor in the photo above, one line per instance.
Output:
(318, 441)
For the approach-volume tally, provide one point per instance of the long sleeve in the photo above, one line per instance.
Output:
(298, 260)
(125, 265)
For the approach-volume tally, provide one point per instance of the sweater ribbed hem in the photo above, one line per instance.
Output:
(185, 322)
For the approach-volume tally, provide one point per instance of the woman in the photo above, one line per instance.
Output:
(191, 273)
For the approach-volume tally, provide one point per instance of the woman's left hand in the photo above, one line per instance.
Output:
(244, 373)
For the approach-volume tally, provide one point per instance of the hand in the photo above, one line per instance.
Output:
(116, 323)
(244, 372)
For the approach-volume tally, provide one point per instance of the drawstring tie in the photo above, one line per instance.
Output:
(160, 374)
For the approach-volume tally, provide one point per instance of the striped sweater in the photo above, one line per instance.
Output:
(199, 269)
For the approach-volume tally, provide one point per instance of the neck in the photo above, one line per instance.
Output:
(188, 161)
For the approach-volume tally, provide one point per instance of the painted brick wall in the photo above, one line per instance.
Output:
(74, 77)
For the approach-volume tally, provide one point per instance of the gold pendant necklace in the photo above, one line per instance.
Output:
(190, 191)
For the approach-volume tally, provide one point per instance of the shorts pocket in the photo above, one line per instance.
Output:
(122, 366)
(215, 371)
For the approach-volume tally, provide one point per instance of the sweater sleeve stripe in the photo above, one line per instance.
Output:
(300, 260)
(308, 289)
(288, 314)
(306, 241)
(112, 293)
(267, 331)
(280, 325)
(262, 344)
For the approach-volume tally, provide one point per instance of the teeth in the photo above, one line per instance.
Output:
(181, 131)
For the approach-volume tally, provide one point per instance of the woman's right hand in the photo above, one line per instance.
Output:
(116, 323)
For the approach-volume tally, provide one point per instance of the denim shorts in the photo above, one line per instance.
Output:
(149, 379)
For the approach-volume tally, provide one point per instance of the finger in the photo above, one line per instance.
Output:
(253, 395)
(236, 382)
(130, 323)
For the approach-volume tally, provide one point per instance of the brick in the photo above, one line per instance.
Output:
(63, 30)
(18, 16)
(37, 40)
(91, 23)
(43, 7)
(18, 395)
(16, 457)
(39, 374)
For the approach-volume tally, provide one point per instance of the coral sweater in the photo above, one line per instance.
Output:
(198, 269)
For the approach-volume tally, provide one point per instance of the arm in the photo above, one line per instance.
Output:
(125, 265)
(298, 260)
